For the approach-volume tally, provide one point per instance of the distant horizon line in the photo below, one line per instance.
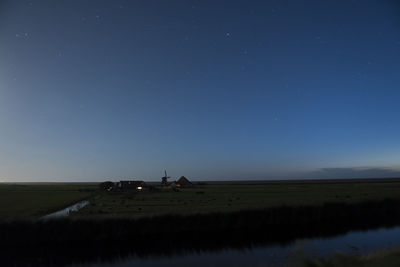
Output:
(222, 180)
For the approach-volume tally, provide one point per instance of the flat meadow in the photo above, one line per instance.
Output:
(207, 197)
(31, 200)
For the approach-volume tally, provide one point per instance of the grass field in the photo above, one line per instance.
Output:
(387, 258)
(38, 199)
(228, 215)
(232, 196)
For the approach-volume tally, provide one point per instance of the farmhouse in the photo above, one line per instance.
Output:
(132, 185)
(183, 182)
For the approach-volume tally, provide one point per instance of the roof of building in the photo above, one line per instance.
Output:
(183, 181)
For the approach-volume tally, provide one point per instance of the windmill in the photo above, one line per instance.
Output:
(164, 180)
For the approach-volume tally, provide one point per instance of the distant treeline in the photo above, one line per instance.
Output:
(65, 241)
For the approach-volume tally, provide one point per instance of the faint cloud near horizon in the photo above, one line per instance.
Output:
(355, 172)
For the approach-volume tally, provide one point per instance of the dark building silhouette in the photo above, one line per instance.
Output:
(131, 185)
(184, 182)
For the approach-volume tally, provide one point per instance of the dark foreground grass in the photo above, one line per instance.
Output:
(66, 241)
(385, 258)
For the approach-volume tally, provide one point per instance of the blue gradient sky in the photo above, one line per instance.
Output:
(93, 90)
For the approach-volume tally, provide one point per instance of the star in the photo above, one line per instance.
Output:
(22, 35)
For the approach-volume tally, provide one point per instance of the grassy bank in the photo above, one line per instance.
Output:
(386, 258)
(37, 199)
(64, 241)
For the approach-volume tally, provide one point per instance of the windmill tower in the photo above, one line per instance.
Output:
(164, 180)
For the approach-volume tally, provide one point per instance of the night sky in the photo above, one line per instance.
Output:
(213, 90)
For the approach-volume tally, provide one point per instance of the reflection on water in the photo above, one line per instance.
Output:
(353, 242)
